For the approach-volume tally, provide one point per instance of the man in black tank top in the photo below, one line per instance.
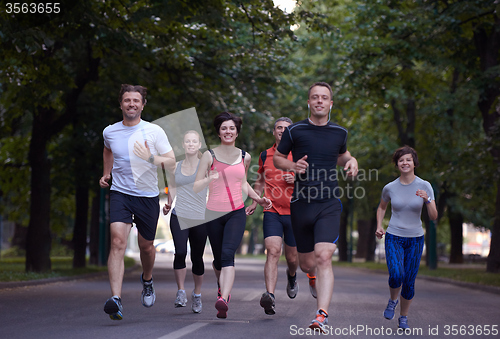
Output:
(317, 147)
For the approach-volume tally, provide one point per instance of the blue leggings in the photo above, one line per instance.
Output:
(403, 259)
(225, 231)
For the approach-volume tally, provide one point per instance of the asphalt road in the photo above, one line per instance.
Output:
(74, 309)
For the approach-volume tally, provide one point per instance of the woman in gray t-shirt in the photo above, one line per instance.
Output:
(404, 238)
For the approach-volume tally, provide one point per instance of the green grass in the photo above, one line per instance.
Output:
(477, 275)
(13, 269)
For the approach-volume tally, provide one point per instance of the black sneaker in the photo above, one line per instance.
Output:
(114, 308)
(292, 287)
(267, 302)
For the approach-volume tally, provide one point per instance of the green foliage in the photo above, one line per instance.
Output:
(66, 70)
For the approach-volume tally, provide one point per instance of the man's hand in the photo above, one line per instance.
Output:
(301, 165)
(265, 202)
(289, 178)
(103, 182)
(142, 152)
(352, 165)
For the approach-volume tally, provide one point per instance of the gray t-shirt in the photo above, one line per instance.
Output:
(406, 207)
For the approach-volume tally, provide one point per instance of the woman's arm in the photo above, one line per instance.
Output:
(205, 175)
(382, 207)
(431, 206)
(172, 191)
(248, 190)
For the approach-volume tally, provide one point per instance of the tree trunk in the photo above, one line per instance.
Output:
(487, 45)
(493, 263)
(38, 238)
(342, 241)
(80, 226)
(372, 240)
(456, 227)
(94, 229)
(364, 227)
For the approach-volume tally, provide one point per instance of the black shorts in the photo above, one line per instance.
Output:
(315, 222)
(278, 225)
(142, 211)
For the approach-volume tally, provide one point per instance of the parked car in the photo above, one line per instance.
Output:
(165, 247)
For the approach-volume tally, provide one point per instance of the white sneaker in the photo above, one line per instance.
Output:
(180, 299)
(196, 306)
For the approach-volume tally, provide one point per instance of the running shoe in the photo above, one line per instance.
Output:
(391, 307)
(312, 285)
(403, 322)
(180, 299)
(221, 307)
(320, 321)
(148, 296)
(267, 302)
(196, 305)
(114, 308)
(219, 295)
(292, 287)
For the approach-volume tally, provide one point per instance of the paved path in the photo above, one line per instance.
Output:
(74, 309)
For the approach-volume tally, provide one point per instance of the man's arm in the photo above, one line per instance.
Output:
(281, 162)
(349, 162)
(143, 152)
(107, 159)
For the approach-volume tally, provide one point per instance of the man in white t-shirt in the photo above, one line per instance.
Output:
(133, 148)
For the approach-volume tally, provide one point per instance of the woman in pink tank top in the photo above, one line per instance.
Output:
(223, 170)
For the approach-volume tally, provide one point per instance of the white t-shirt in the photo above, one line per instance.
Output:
(131, 174)
(406, 207)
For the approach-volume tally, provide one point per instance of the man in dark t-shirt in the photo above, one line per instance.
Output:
(317, 147)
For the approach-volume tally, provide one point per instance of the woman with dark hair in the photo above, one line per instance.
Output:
(404, 238)
(224, 170)
(187, 221)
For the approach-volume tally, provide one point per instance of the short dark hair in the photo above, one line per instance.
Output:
(405, 150)
(283, 119)
(225, 116)
(133, 88)
(320, 83)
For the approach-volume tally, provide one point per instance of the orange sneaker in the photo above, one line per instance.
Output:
(312, 285)
(320, 322)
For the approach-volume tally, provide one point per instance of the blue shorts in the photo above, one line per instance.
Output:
(142, 211)
(314, 222)
(278, 225)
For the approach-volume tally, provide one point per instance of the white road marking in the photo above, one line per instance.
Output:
(250, 296)
(184, 331)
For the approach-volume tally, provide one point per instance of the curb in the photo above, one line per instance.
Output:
(27, 283)
(474, 286)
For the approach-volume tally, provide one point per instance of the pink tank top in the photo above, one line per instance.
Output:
(225, 193)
